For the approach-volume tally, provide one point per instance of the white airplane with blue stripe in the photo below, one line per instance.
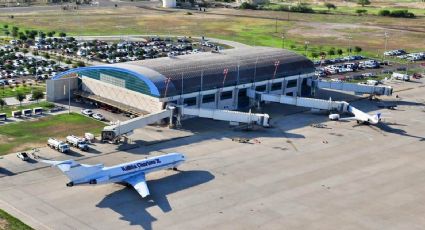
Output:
(133, 173)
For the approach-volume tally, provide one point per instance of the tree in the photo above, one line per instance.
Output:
(25, 51)
(2, 103)
(20, 97)
(330, 6)
(60, 59)
(37, 95)
(5, 26)
(51, 34)
(357, 49)
(331, 51)
(15, 31)
(46, 55)
(315, 55)
(7, 33)
(22, 36)
(41, 35)
(339, 52)
(62, 34)
(363, 2)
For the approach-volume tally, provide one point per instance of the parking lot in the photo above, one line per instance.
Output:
(339, 175)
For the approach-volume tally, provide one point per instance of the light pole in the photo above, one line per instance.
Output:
(306, 47)
(349, 43)
(386, 36)
(283, 40)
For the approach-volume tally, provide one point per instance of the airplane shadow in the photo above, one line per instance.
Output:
(133, 208)
(387, 128)
(5, 172)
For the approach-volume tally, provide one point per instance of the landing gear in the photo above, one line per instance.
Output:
(175, 169)
(70, 184)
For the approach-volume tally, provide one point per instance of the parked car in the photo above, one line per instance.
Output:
(23, 156)
(98, 116)
(87, 112)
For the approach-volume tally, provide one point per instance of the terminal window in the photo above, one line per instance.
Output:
(112, 80)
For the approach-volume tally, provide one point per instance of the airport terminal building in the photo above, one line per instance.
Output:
(208, 80)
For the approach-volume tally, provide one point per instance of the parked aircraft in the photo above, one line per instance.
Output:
(133, 173)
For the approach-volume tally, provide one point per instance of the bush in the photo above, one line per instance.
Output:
(361, 11)
(330, 6)
(357, 49)
(384, 13)
(246, 5)
(302, 8)
(401, 14)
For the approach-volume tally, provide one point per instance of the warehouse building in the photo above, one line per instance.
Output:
(207, 80)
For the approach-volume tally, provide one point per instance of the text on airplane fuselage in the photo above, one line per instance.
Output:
(140, 165)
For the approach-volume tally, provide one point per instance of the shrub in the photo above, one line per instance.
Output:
(384, 13)
(361, 11)
(302, 8)
(330, 6)
(401, 14)
(246, 5)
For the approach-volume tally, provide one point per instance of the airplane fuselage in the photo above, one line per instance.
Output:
(118, 173)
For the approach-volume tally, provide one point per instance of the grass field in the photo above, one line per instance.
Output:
(8, 222)
(21, 136)
(11, 92)
(8, 109)
(322, 31)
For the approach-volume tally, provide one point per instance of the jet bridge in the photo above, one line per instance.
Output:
(114, 132)
(227, 115)
(313, 103)
(353, 87)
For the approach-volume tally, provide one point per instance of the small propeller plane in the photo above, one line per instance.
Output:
(132, 173)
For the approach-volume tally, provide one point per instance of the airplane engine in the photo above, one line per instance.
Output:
(99, 180)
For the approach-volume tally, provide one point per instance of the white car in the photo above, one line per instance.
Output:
(87, 112)
(98, 116)
(23, 156)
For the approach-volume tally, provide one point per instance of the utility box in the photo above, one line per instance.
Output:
(17, 113)
(27, 112)
(37, 111)
(3, 116)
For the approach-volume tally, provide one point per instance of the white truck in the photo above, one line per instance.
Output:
(77, 142)
(401, 76)
(58, 145)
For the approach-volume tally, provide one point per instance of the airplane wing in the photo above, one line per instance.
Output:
(348, 119)
(139, 183)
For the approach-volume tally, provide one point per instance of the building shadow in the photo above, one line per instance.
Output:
(133, 208)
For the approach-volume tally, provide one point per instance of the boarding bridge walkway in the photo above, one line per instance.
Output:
(110, 133)
(353, 87)
(227, 115)
(313, 103)
(114, 132)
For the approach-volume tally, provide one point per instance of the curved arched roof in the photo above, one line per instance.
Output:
(203, 71)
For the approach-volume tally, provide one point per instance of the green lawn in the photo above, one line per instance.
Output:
(25, 135)
(8, 109)
(8, 222)
(11, 92)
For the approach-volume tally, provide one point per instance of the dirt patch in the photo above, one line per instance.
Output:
(3, 224)
(334, 30)
(5, 139)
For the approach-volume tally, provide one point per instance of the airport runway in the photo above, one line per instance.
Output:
(291, 176)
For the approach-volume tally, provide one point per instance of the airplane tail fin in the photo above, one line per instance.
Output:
(74, 170)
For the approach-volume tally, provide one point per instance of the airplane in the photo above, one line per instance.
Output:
(359, 116)
(132, 173)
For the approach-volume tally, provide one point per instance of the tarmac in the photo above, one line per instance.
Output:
(290, 176)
